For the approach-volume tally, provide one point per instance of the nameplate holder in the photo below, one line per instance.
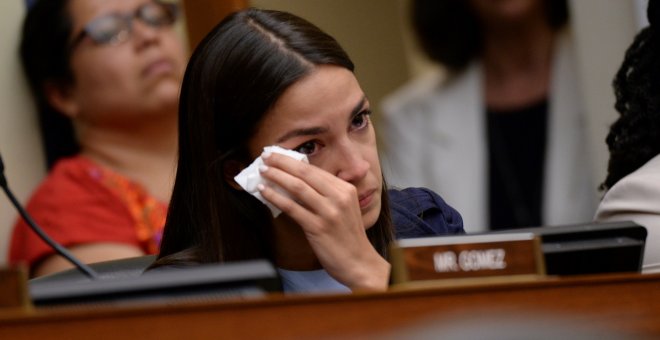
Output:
(14, 288)
(466, 256)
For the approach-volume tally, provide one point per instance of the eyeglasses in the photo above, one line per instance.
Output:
(115, 28)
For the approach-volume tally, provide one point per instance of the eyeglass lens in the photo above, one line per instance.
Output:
(116, 27)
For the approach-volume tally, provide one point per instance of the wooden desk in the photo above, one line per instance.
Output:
(627, 304)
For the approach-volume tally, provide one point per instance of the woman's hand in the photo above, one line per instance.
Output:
(327, 209)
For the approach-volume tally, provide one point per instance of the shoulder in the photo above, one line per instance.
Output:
(643, 184)
(636, 198)
(71, 172)
(420, 212)
(72, 180)
(415, 198)
(73, 196)
(416, 89)
(73, 207)
(635, 195)
(416, 94)
(425, 94)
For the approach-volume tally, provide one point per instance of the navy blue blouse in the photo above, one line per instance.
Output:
(420, 212)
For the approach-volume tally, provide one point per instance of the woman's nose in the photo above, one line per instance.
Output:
(143, 34)
(352, 166)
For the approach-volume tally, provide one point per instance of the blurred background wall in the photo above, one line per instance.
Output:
(369, 30)
(20, 144)
(377, 36)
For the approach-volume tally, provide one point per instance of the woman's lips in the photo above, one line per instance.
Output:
(366, 198)
(158, 67)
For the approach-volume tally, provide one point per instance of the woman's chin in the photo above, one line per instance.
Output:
(370, 217)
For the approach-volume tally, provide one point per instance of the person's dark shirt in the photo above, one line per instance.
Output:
(420, 212)
(517, 148)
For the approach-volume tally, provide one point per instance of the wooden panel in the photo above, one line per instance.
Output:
(203, 15)
(624, 305)
(13, 288)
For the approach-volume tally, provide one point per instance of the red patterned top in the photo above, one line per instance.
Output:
(80, 202)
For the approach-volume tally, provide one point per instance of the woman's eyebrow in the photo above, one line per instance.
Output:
(313, 131)
(358, 108)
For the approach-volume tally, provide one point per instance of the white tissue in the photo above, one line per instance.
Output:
(250, 178)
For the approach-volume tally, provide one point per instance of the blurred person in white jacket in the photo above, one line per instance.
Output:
(501, 135)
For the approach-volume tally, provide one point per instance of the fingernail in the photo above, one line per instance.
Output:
(263, 168)
(260, 187)
(265, 155)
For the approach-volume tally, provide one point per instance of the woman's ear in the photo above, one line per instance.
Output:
(61, 97)
(231, 168)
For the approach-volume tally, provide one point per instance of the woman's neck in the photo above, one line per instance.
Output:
(292, 250)
(144, 153)
(517, 64)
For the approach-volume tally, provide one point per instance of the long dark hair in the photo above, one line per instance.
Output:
(449, 31)
(635, 136)
(234, 76)
(45, 56)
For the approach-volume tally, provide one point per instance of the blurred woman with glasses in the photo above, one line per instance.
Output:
(106, 77)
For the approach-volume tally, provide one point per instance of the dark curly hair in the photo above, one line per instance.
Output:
(634, 138)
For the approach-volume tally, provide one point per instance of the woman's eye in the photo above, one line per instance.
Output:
(307, 148)
(360, 120)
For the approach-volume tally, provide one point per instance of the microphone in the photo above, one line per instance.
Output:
(89, 272)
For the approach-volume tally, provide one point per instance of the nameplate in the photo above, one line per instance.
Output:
(13, 288)
(466, 256)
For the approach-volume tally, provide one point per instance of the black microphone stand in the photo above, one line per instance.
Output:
(89, 272)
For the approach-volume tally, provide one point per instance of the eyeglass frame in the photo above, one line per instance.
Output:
(128, 18)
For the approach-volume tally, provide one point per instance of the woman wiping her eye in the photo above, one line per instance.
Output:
(264, 78)
(358, 122)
